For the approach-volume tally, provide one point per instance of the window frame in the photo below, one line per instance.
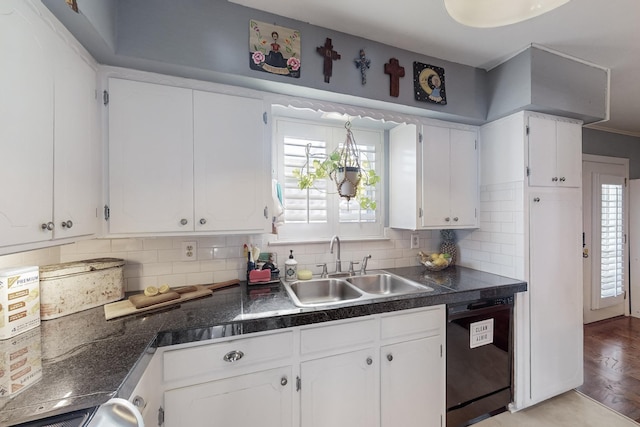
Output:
(306, 232)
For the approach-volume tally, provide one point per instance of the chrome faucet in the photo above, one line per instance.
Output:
(338, 263)
(363, 268)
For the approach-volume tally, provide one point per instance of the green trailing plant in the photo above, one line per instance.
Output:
(319, 169)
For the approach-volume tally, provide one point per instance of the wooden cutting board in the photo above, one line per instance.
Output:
(126, 307)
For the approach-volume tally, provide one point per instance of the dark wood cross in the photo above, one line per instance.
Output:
(395, 71)
(330, 55)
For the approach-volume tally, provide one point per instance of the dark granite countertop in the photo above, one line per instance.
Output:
(86, 360)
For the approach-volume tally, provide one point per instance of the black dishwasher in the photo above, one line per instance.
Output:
(479, 359)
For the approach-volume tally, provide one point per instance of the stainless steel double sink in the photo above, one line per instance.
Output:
(337, 290)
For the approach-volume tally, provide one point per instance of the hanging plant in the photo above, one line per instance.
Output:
(344, 168)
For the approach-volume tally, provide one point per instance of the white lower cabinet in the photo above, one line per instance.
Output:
(258, 399)
(411, 384)
(381, 370)
(339, 390)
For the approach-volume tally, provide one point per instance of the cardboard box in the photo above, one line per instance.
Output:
(71, 287)
(20, 362)
(19, 301)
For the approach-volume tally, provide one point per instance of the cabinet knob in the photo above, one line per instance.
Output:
(447, 219)
(184, 221)
(536, 199)
(562, 179)
(203, 221)
(369, 361)
(47, 226)
(139, 402)
(283, 381)
(455, 218)
(554, 179)
(389, 357)
(233, 356)
(67, 224)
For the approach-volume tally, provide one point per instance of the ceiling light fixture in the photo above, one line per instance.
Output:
(497, 13)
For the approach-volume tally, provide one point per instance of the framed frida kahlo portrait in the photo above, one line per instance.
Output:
(428, 83)
(274, 49)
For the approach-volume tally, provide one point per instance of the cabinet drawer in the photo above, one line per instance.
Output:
(425, 322)
(218, 358)
(337, 336)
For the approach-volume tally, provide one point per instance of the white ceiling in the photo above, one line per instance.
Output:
(602, 32)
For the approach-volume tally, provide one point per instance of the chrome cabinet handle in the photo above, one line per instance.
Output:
(283, 381)
(47, 226)
(67, 224)
(233, 356)
(455, 218)
(184, 221)
(554, 179)
(389, 357)
(447, 219)
(536, 199)
(369, 361)
(562, 179)
(203, 221)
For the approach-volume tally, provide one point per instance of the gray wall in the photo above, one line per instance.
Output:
(613, 145)
(209, 40)
(539, 80)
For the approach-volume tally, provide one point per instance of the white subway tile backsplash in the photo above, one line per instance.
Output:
(127, 245)
(498, 245)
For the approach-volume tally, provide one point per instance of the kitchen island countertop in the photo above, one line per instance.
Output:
(87, 360)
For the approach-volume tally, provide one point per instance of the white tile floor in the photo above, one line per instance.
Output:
(571, 409)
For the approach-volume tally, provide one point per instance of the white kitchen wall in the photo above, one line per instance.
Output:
(497, 246)
(153, 261)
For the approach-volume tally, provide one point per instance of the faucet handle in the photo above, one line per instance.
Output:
(351, 270)
(324, 273)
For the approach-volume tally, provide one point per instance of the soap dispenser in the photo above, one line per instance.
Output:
(290, 268)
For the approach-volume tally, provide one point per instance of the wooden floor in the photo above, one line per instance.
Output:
(612, 364)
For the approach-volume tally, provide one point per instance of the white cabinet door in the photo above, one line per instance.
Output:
(555, 292)
(404, 178)
(259, 399)
(464, 178)
(569, 154)
(339, 391)
(555, 153)
(26, 125)
(436, 172)
(150, 157)
(232, 180)
(412, 383)
(450, 177)
(77, 168)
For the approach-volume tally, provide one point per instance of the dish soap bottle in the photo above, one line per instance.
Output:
(290, 268)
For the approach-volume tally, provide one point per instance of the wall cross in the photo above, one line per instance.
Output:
(330, 55)
(395, 71)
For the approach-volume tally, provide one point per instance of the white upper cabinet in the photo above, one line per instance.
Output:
(26, 125)
(553, 145)
(77, 196)
(232, 180)
(433, 184)
(450, 177)
(48, 129)
(150, 158)
(183, 161)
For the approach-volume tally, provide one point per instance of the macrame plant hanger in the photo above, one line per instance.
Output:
(347, 175)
